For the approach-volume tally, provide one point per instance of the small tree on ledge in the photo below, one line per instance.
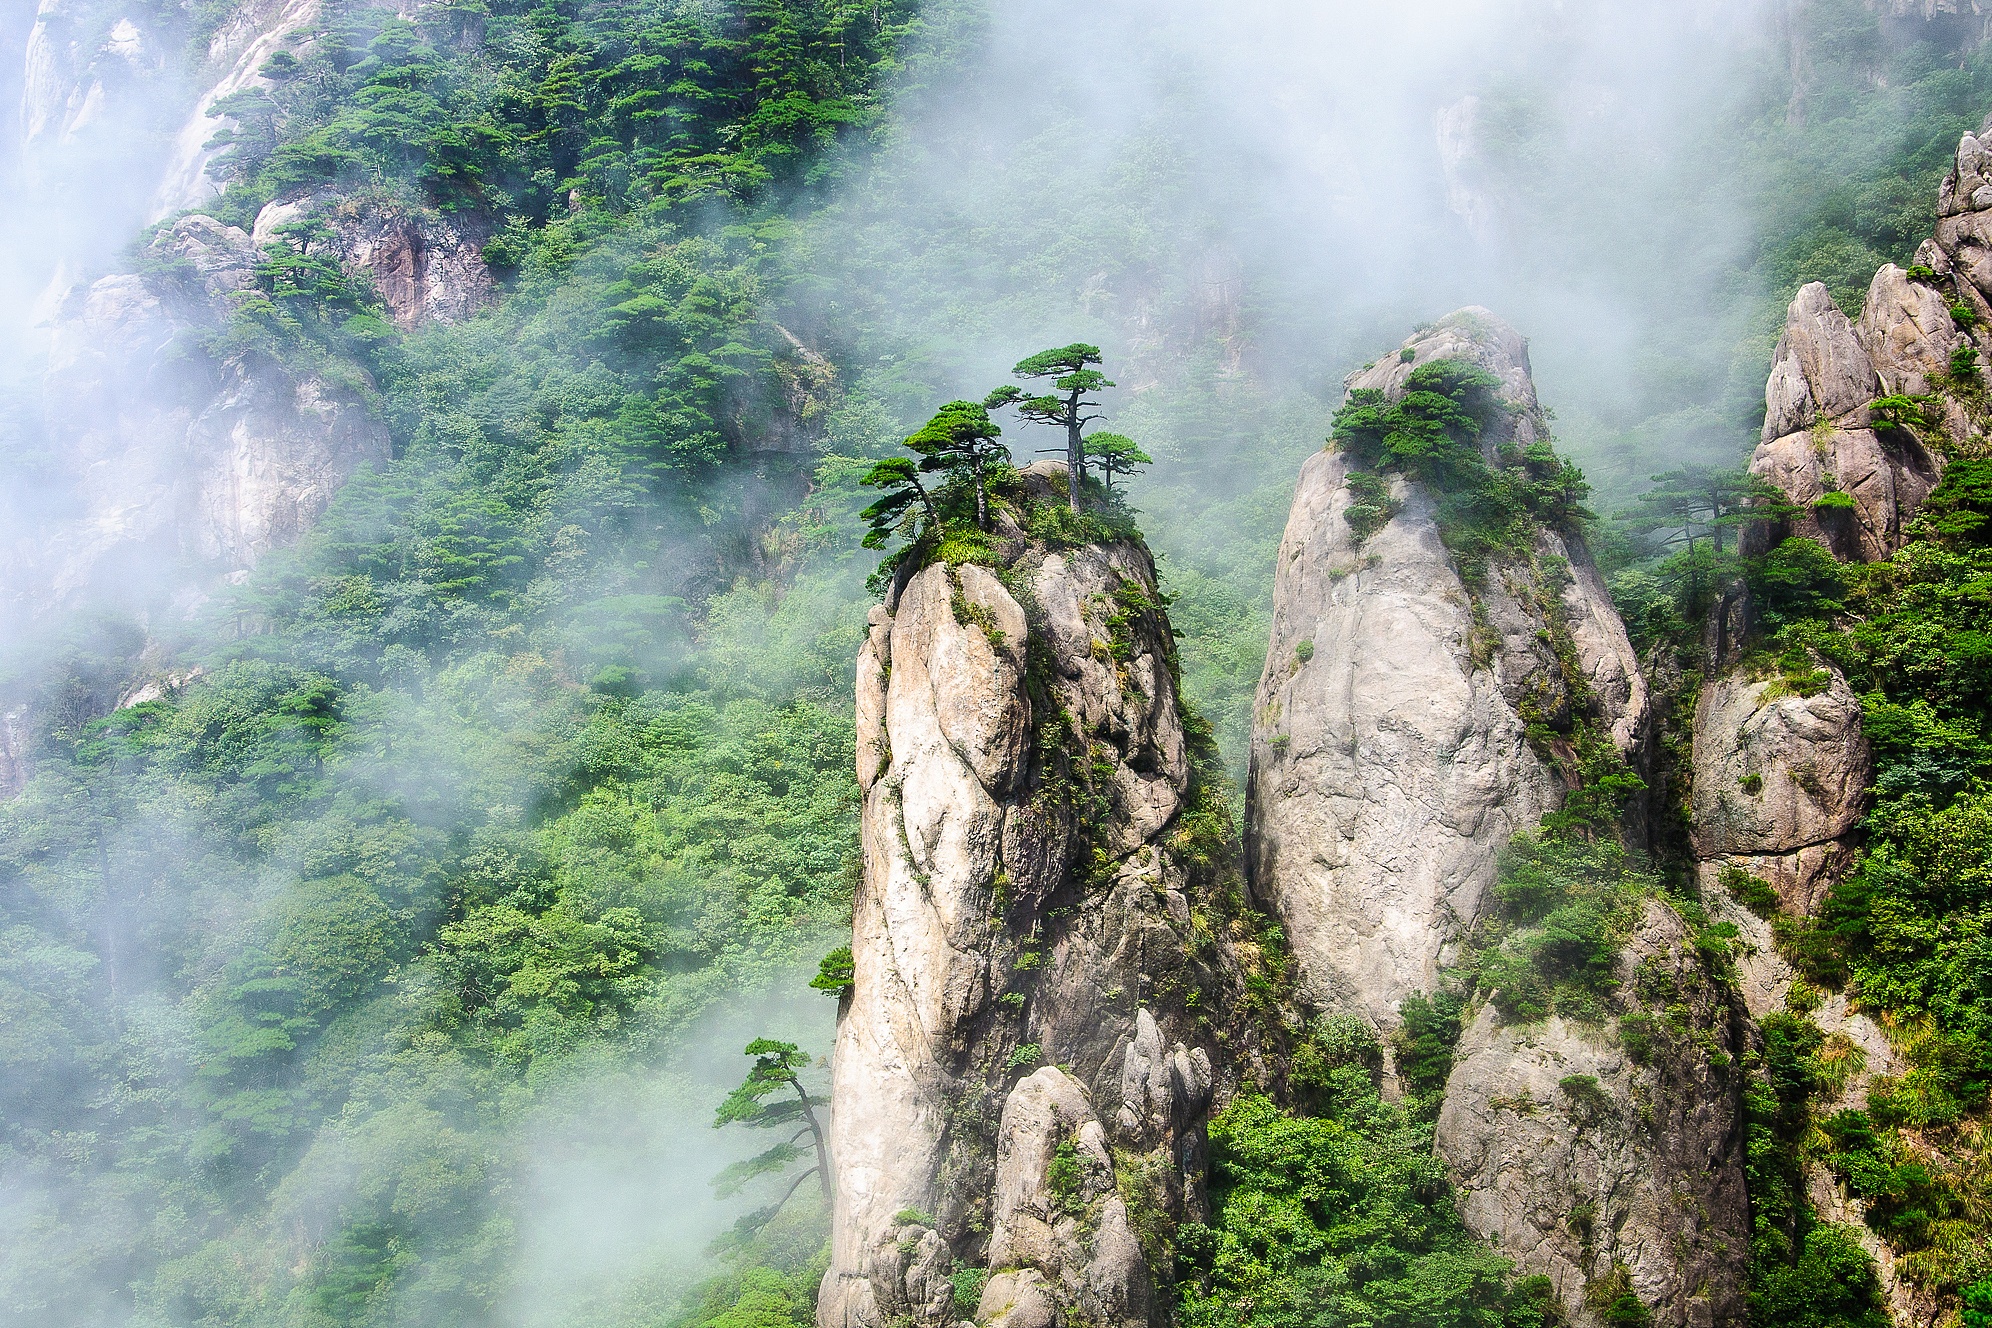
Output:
(900, 478)
(1073, 378)
(960, 441)
(1699, 502)
(1115, 454)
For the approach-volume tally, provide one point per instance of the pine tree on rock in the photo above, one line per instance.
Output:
(1700, 502)
(777, 1071)
(900, 478)
(1116, 454)
(960, 442)
(1065, 406)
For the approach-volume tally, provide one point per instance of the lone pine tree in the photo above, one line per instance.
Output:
(1066, 406)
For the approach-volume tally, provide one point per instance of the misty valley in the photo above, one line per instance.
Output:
(923, 664)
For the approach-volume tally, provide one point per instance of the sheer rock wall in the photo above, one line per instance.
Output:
(178, 464)
(1021, 949)
(1391, 763)
(1638, 1168)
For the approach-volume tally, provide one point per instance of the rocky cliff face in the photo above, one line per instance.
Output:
(1781, 779)
(1819, 433)
(236, 53)
(182, 468)
(1019, 1084)
(1408, 725)
(426, 267)
(1821, 430)
(1780, 783)
(1577, 1158)
(1390, 758)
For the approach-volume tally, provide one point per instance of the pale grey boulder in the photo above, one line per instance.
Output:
(1886, 473)
(1075, 1232)
(1388, 768)
(1968, 185)
(1907, 331)
(1776, 773)
(1021, 1298)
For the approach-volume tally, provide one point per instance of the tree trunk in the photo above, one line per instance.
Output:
(822, 1150)
(981, 501)
(1074, 458)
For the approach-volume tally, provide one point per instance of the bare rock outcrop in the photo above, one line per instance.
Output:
(1409, 725)
(427, 267)
(1820, 434)
(182, 467)
(1391, 758)
(1062, 1233)
(1819, 367)
(1908, 333)
(236, 52)
(1025, 769)
(1887, 475)
(1577, 1158)
(1780, 782)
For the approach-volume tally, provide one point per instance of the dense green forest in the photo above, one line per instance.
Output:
(342, 985)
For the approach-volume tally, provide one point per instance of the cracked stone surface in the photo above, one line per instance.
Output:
(1641, 1167)
(1775, 774)
(1390, 765)
(1003, 922)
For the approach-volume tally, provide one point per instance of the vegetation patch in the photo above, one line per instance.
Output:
(1487, 512)
(1341, 1214)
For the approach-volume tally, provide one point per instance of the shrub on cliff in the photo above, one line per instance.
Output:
(1339, 1219)
(1432, 434)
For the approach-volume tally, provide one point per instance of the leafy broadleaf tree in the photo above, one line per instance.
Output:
(776, 1073)
(1115, 454)
(1066, 406)
(960, 441)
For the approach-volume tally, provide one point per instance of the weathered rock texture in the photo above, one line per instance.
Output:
(1408, 726)
(1820, 434)
(425, 266)
(1780, 780)
(1574, 1158)
(182, 467)
(1780, 783)
(1025, 771)
(1390, 761)
(237, 52)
